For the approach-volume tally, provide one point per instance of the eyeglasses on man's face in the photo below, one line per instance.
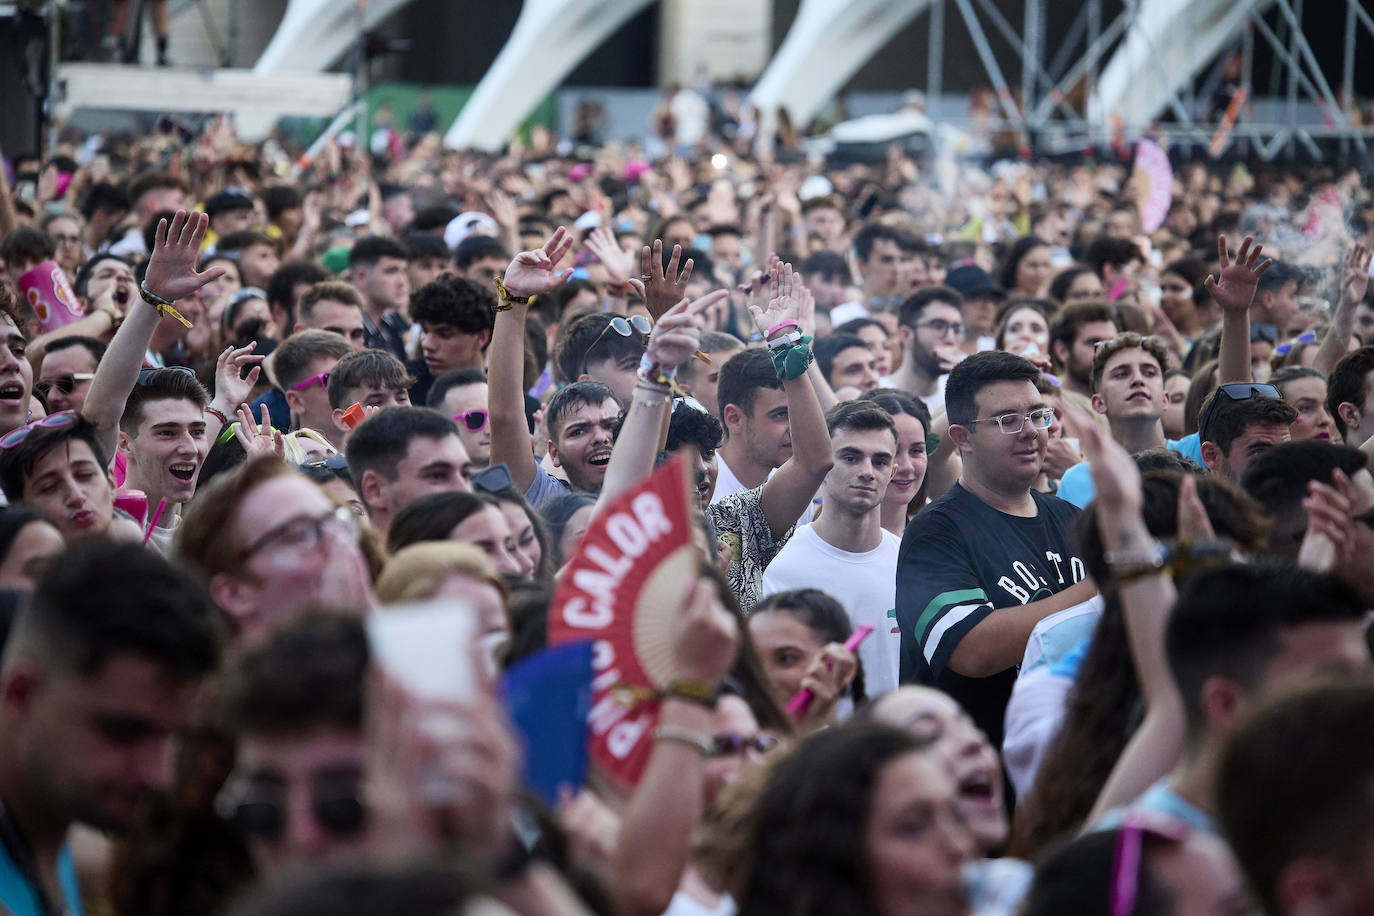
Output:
(1012, 423)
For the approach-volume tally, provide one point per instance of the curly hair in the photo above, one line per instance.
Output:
(457, 302)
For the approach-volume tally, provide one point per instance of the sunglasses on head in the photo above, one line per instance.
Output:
(494, 479)
(335, 462)
(146, 375)
(474, 421)
(263, 813)
(624, 327)
(59, 420)
(65, 384)
(1235, 391)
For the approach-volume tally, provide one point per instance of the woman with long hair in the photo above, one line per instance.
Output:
(906, 493)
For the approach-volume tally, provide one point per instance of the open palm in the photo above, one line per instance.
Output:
(534, 272)
(783, 302)
(176, 248)
(1236, 288)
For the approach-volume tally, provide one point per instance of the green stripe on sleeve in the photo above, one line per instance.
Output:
(941, 601)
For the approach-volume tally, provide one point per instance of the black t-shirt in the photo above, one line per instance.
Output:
(960, 560)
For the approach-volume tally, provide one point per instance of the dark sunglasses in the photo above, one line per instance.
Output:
(60, 420)
(1235, 391)
(337, 807)
(494, 479)
(65, 384)
(335, 462)
(146, 375)
(473, 420)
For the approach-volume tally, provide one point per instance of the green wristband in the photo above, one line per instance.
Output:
(792, 361)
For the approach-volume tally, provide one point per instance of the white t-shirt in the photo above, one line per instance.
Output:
(865, 583)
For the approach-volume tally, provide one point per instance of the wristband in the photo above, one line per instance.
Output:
(692, 692)
(219, 415)
(786, 340)
(505, 299)
(651, 370)
(163, 306)
(792, 360)
(782, 326)
(700, 743)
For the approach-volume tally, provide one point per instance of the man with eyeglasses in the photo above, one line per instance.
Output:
(270, 545)
(1240, 422)
(930, 327)
(983, 564)
(64, 375)
(463, 396)
(1128, 389)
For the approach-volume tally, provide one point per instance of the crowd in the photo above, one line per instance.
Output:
(1100, 490)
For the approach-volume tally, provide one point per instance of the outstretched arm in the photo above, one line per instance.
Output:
(171, 275)
(675, 339)
(530, 273)
(1234, 293)
(1354, 284)
(787, 493)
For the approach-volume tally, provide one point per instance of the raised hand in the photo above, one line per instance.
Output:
(664, 287)
(1236, 289)
(1355, 279)
(231, 386)
(258, 439)
(534, 272)
(1330, 525)
(176, 248)
(677, 335)
(617, 261)
(1193, 523)
(784, 300)
(502, 209)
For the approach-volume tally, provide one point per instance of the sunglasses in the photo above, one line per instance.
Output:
(1235, 391)
(65, 384)
(335, 462)
(494, 479)
(336, 805)
(146, 375)
(322, 378)
(474, 421)
(624, 327)
(727, 743)
(60, 420)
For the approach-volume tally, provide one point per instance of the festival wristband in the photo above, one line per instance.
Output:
(792, 361)
(786, 340)
(217, 414)
(783, 325)
(163, 306)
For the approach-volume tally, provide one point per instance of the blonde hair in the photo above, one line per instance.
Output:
(417, 572)
(295, 451)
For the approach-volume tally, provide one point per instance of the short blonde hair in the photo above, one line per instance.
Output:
(417, 572)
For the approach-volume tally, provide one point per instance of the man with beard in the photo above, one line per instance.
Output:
(99, 676)
(930, 326)
(1074, 334)
(847, 544)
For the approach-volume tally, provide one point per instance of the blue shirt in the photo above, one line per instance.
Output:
(19, 896)
(1076, 486)
(1160, 799)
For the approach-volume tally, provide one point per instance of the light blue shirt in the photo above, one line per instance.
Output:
(1160, 799)
(1076, 486)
